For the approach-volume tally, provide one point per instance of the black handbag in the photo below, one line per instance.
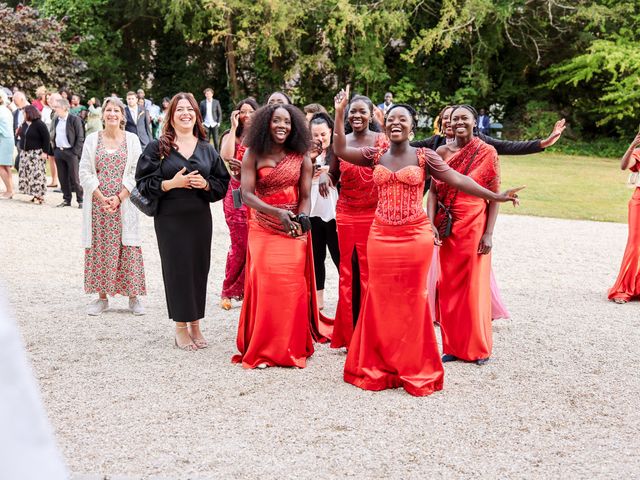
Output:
(142, 203)
(445, 226)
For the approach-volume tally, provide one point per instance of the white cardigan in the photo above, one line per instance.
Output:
(89, 182)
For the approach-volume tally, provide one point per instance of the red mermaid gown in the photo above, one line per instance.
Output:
(279, 317)
(464, 295)
(355, 211)
(236, 218)
(394, 343)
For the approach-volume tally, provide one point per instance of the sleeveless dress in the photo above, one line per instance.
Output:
(394, 343)
(355, 211)
(109, 266)
(236, 218)
(279, 316)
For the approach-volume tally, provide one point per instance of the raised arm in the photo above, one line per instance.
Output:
(506, 147)
(340, 148)
(468, 185)
(627, 159)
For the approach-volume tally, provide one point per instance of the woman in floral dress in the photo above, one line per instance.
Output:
(113, 257)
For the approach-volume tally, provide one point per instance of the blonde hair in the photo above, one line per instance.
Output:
(115, 101)
(4, 98)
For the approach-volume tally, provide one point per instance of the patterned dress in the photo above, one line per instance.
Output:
(109, 266)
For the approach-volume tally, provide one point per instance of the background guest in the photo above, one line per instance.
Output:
(39, 102)
(184, 173)
(164, 107)
(52, 99)
(387, 104)
(483, 122)
(211, 115)
(113, 257)
(76, 108)
(313, 108)
(146, 102)
(6, 145)
(627, 285)
(35, 147)
(68, 138)
(323, 202)
(20, 101)
(94, 117)
(232, 150)
(137, 120)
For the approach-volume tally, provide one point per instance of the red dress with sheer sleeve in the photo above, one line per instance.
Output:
(394, 342)
(236, 218)
(355, 211)
(279, 316)
(464, 294)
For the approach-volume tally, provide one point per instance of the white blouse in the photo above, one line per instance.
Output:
(322, 207)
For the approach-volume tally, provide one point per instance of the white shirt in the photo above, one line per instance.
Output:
(61, 133)
(134, 114)
(322, 207)
(46, 115)
(208, 118)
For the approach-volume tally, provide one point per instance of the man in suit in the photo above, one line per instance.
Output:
(387, 104)
(67, 143)
(483, 122)
(20, 101)
(138, 120)
(211, 116)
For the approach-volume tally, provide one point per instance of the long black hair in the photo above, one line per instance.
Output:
(374, 126)
(259, 140)
(247, 101)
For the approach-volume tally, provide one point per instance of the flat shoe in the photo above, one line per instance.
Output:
(619, 301)
(448, 358)
(482, 361)
(225, 304)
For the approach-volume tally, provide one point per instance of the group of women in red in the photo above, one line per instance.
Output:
(386, 241)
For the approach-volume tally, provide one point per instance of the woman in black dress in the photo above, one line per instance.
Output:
(185, 173)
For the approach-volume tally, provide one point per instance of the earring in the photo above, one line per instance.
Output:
(411, 136)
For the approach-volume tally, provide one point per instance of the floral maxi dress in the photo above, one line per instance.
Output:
(111, 267)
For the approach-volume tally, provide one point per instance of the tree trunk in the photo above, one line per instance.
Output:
(231, 61)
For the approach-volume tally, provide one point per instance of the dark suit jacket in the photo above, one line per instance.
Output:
(75, 134)
(16, 126)
(216, 111)
(141, 126)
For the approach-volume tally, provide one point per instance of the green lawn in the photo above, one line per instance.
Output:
(565, 186)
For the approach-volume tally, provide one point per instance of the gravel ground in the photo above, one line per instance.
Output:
(558, 399)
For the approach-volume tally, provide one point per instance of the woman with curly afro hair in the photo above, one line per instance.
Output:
(279, 316)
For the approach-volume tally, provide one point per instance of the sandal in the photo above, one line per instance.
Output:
(619, 301)
(200, 343)
(225, 303)
(38, 201)
(189, 347)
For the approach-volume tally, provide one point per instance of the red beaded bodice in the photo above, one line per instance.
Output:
(358, 191)
(400, 193)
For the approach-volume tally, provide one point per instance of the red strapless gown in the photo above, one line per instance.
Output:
(279, 316)
(233, 284)
(394, 342)
(355, 211)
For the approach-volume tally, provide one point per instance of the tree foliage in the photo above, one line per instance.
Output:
(33, 52)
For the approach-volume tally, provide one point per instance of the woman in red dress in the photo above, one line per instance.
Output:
(394, 342)
(354, 215)
(464, 296)
(232, 150)
(627, 285)
(279, 308)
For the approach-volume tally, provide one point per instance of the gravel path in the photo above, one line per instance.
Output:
(558, 399)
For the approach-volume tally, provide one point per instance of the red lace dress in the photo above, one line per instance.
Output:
(279, 316)
(233, 284)
(109, 266)
(355, 211)
(464, 294)
(394, 343)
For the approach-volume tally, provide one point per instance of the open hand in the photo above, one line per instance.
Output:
(341, 100)
(558, 128)
(324, 184)
(510, 195)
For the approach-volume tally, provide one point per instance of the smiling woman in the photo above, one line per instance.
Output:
(394, 343)
(279, 317)
(185, 173)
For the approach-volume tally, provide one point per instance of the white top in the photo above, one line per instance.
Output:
(208, 118)
(134, 113)
(61, 133)
(322, 207)
(46, 115)
(89, 181)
